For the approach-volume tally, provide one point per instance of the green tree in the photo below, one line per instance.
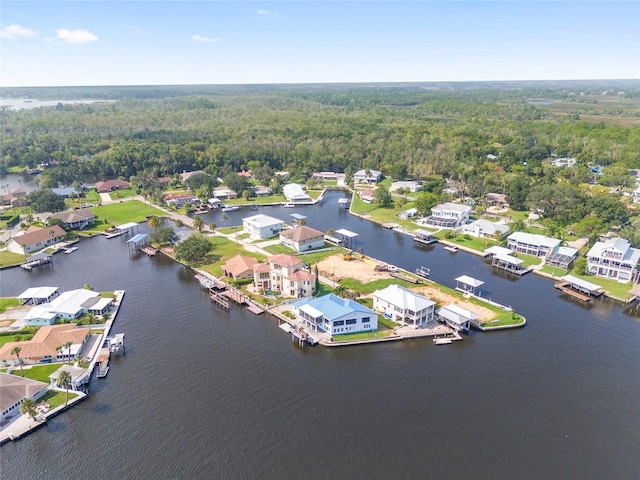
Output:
(154, 221)
(383, 197)
(45, 200)
(16, 351)
(198, 223)
(236, 182)
(580, 266)
(68, 345)
(399, 171)
(163, 236)
(425, 202)
(28, 407)
(64, 381)
(194, 249)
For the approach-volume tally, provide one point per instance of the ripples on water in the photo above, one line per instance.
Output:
(204, 393)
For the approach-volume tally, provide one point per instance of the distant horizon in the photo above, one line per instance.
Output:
(391, 83)
(62, 43)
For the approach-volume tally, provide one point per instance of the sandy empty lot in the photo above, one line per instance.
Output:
(363, 271)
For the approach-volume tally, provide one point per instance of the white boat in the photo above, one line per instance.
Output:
(442, 341)
(230, 208)
(451, 249)
(289, 205)
(70, 250)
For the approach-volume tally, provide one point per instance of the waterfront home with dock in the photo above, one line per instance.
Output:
(404, 306)
(456, 317)
(449, 215)
(614, 258)
(37, 295)
(14, 390)
(482, 228)
(335, 315)
(295, 193)
(239, 267)
(74, 219)
(285, 274)
(532, 244)
(367, 176)
(36, 238)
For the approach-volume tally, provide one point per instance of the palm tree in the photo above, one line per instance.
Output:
(16, 351)
(58, 349)
(28, 407)
(154, 221)
(178, 223)
(64, 381)
(198, 223)
(212, 226)
(225, 217)
(67, 345)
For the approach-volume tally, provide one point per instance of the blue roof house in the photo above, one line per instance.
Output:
(335, 315)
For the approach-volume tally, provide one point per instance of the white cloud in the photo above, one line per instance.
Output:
(268, 13)
(76, 36)
(200, 38)
(16, 31)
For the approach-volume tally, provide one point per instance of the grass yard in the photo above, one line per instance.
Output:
(478, 244)
(503, 319)
(38, 372)
(10, 259)
(528, 260)
(314, 257)
(124, 212)
(366, 288)
(223, 249)
(350, 337)
(382, 215)
(55, 398)
(6, 302)
(613, 287)
(121, 194)
(555, 271)
(12, 338)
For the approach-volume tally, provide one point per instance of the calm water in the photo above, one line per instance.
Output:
(203, 393)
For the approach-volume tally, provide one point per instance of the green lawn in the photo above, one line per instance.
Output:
(315, 257)
(382, 215)
(504, 318)
(38, 372)
(478, 244)
(55, 398)
(9, 259)
(323, 290)
(223, 249)
(278, 249)
(6, 302)
(386, 322)
(528, 260)
(366, 288)
(555, 271)
(121, 194)
(350, 337)
(124, 212)
(12, 338)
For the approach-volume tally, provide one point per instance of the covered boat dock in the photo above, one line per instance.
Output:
(469, 285)
(424, 236)
(347, 237)
(578, 288)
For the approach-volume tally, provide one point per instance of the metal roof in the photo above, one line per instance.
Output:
(592, 287)
(467, 280)
(126, 226)
(138, 238)
(346, 233)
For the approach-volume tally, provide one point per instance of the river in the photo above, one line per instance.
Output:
(204, 393)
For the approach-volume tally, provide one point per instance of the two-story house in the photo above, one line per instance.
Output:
(449, 215)
(262, 226)
(302, 238)
(335, 315)
(285, 274)
(614, 258)
(404, 306)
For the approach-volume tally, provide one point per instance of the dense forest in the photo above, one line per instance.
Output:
(438, 130)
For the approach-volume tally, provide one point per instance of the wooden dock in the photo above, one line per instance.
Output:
(115, 234)
(219, 299)
(149, 250)
(565, 287)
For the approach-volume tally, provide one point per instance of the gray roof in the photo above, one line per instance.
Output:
(14, 388)
(534, 239)
(629, 254)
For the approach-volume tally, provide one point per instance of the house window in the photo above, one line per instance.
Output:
(338, 323)
(351, 321)
(365, 319)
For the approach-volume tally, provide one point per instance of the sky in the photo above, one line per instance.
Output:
(65, 43)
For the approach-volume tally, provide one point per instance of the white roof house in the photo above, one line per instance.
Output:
(367, 176)
(615, 258)
(450, 215)
(482, 228)
(532, 244)
(295, 193)
(403, 306)
(262, 226)
(74, 303)
(410, 185)
(41, 315)
(35, 295)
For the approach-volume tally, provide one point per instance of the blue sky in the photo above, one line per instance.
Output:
(214, 42)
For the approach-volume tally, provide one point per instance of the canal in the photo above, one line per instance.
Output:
(204, 393)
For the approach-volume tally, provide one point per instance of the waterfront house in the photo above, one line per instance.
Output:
(327, 176)
(74, 219)
(295, 193)
(408, 185)
(262, 191)
(367, 176)
(532, 244)
(35, 239)
(43, 347)
(562, 257)
(614, 258)
(66, 192)
(456, 317)
(37, 295)
(335, 315)
(179, 200)
(404, 306)
(482, 228)
(449, 215)
(107, 186)
(285, 274)
(262, 226)
(224, 193)
(302, 238)
(239, 267)
(16, 197)
(40, 315)
(14, 389)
